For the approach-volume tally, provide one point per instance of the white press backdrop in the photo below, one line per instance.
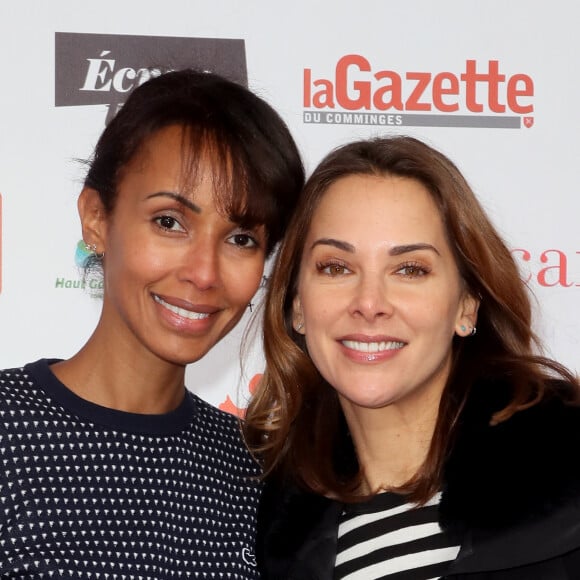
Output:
(483, 64)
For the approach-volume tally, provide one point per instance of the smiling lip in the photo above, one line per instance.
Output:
(371, 348)
(192, 312)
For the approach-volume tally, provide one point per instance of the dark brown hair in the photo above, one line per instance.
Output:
(257, 166)
(294, 423)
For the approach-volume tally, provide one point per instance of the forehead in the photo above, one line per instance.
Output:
(187, 163)
(161, 154)
(379, 206)
(169, 151)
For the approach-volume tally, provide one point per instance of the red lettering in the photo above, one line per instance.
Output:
(471, 78)
(363, 87)
(526, 256)
(493, 87)
(513, 92)
(560, 270)
(556, 273)
(307, 80)
(324, 97)
(413, 103)
(439, 90)
(356, 87)
(395, 88)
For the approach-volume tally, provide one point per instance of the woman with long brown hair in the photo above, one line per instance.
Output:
(406, 422)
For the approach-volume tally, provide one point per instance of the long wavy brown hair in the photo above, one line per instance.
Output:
(294, 423)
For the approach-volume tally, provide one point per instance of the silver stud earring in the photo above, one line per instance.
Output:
(473, 331)
(92, 249)
(299, 326)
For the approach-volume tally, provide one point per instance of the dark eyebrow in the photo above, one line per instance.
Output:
(396, 251)
(332, 242)
(179, 198)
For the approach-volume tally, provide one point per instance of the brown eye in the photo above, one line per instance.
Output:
(412, 270)
(333, 269)
(168, 223)
(243, 240)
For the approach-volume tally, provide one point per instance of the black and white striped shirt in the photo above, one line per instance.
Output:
(388, 538)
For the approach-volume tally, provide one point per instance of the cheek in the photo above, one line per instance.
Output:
(319, 303)
(134, 250)
(135, 263)
(439, 314)
(241, 279)
(320, 324)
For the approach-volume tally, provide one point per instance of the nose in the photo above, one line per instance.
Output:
(200, 264)
(371, 299)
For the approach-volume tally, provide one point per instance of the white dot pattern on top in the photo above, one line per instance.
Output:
(91, 492)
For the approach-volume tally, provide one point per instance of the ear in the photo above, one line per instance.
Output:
(297, 315)
(93, 219)
(467, 315)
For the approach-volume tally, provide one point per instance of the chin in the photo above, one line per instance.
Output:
(370, 402)
(181, 357)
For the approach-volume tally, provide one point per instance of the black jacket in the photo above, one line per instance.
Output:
(511, 493)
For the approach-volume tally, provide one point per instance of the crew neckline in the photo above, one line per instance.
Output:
(386, 500)
(162, 424)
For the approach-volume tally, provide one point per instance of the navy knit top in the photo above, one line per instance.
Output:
(92, 492)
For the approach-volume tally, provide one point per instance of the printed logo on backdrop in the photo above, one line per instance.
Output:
(230, 407)
(549, 268)
(358, 92)
(103, 69)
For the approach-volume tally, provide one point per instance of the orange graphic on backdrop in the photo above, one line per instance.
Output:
(230, 407)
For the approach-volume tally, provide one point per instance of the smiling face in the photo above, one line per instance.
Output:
(178, 274)
(379, 293)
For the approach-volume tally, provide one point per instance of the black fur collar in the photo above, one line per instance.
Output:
(525, 467)
(520, 478)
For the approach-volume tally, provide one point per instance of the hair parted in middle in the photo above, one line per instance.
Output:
(294, 423)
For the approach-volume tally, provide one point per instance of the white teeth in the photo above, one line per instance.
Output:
(372, 346)
(181, 311)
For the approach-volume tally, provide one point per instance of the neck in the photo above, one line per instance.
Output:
(106, 373)
(391, 442)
